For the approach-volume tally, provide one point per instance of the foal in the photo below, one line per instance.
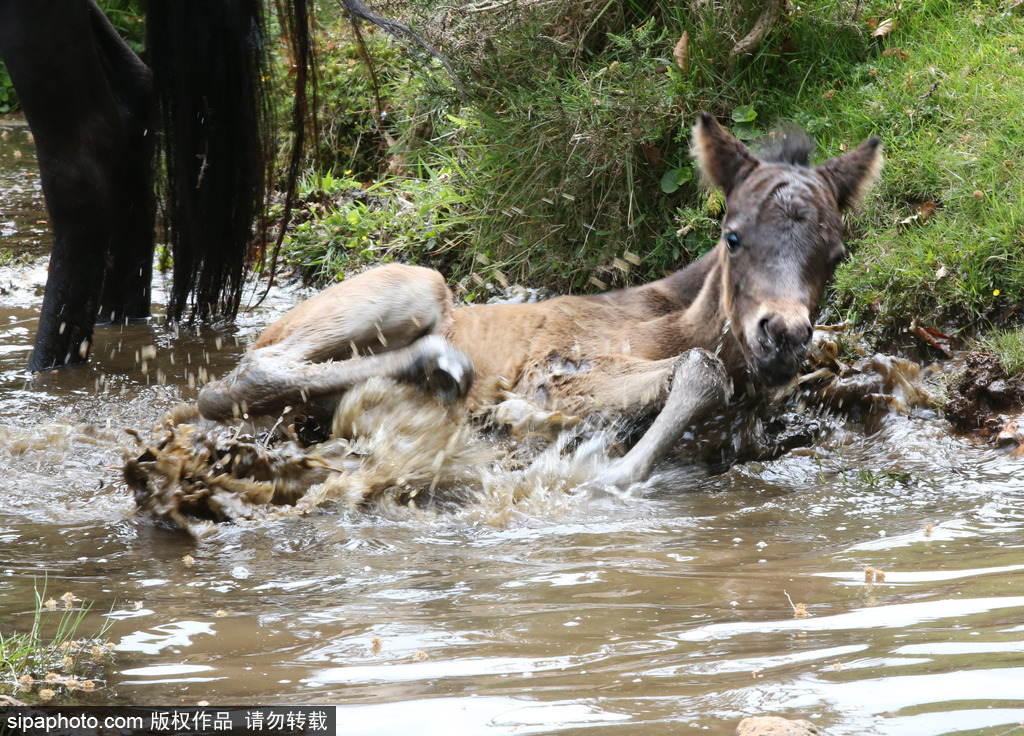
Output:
(669, 347)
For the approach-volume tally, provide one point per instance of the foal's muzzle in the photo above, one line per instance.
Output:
(780, 345)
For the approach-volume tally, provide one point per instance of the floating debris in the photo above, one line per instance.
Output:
(873, 575)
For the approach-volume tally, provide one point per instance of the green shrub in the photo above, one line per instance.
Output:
(344, 226)
(8, 97)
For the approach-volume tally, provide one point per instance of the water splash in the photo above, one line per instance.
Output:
(394, 449)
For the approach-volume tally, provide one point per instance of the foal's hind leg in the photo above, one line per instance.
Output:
(270, 384)
(386, 322)
(382, 309)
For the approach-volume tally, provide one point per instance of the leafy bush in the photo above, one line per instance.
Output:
(8, 97)
(344, 226)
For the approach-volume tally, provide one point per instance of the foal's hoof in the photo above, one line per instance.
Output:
(621, 474)
(447, 371)
(449, 375)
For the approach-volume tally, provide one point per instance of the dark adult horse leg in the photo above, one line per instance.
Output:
(88, 100)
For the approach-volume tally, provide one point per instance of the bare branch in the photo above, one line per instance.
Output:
(765, 22)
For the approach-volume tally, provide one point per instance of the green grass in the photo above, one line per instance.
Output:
(951, 114)
(53, 656)
(1008, 346)
(345, 226)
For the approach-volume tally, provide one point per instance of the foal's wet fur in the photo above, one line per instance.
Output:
(667, 348)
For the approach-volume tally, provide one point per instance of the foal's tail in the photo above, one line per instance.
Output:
(210, 65)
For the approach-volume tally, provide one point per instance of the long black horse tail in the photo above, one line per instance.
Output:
(209, 60)
(210, 64)
(294, 21)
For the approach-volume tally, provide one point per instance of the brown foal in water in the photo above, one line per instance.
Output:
(668, 348)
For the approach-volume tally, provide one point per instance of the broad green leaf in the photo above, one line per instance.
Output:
(744, 114)
(745, 131)
(675, 178)
(668, 182)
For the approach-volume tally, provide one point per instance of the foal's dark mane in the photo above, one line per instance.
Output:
(787, 145)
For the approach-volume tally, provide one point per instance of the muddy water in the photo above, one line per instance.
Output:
(663, 611)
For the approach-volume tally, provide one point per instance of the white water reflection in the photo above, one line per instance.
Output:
(891, 695)
(176, 635)
(474, 715)
(164, 673)
(924, 576)
(891, 616)
(429, 671)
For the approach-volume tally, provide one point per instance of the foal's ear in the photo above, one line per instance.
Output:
(722, 158)
(852, 174)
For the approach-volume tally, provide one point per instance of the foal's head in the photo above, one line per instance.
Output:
(781, 238)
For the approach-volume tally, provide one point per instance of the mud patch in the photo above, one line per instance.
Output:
(386, 437)
(194, 469)
(775, 726)
(983, 398)
(871, 390)
(765, 425)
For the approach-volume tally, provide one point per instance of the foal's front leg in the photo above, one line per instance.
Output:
(699, 386)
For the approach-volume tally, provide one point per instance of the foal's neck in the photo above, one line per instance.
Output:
(687, 309)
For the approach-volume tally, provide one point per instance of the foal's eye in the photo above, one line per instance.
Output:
(733, 241)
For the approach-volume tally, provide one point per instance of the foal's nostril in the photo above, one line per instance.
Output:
(776, 332)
